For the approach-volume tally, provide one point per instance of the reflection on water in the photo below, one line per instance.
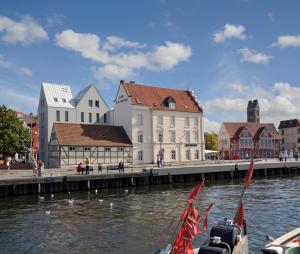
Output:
(141, 219)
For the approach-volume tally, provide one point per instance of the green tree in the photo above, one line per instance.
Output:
(211, 141)
(14, 136)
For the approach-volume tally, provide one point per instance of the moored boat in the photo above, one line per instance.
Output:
(289, 243)
(226, 237)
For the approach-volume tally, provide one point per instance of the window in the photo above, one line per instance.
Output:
(140, 137)
(173, 155)
(97, 118)
(172, 121)
(55, 99)
(71, 148)
(282, 132)
(197, 155)
(140, 119)
(107, 149)
(187, 154)
(105, 118)
(298, 130)
(282, 141)
(97, 104)
(172, 136)
(160, 120)
(140, 155)
(186, 122)
(196, 136)
(57, 115)
(82, 117)
(90, 103)
(90, 117)
(298, 140)
(66, 116)
(87, 148)
(64, 100)
(172, 105)
(223, 142)
(120, 149)
(160, 136)
(187, 136)
(196, 122)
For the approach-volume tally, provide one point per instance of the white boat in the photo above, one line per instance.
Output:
(286, 244)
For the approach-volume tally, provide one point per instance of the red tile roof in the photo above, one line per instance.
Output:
(91, 135)
(234, 128)
(289, 123)
(155, 97)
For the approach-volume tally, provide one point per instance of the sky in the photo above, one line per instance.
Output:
(227, 52)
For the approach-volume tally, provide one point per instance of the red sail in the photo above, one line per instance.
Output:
(196, 192)
(240, 216)
(249, 175)
(205, 224)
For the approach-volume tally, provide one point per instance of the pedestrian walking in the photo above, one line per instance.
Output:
(158, 160)
(87, 165)
(34, 167)
(40, 168)
(8, 164)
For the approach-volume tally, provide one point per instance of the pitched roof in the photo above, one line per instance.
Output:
(91, 135)
(58, 92)
(155, 97)
(233, 128)
(289, 123)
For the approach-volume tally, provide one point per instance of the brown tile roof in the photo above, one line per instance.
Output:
(91, 135)
(289, 123)
(233, 128)
(155, 97)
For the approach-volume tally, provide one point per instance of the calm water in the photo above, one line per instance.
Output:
(139, 220)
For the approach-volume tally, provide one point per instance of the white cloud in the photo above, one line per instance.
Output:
(5, 64)
(26, 31)
(116, 63)
(285, 41)
(211, 126)
(252, 56)
(230, 31)
(115, 42)
(238, 86)
(281, 102)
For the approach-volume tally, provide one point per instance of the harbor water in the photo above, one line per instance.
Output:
(142, 219)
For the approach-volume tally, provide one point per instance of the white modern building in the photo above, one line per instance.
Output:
(161, 121)
(56, 104)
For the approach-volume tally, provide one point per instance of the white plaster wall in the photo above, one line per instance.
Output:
(122, 111)
(83, 106)
(223, 135)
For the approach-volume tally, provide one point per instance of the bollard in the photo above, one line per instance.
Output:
(88, 184)
(39, 188)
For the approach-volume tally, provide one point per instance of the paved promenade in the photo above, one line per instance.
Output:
(174, 169)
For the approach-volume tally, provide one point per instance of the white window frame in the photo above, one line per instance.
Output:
(197, 154)
(187, 137)
(196, 136)
(140, 119)
(172, 121)
(172, 136)
(140, 156)
(160, 120)
(173, 155)
(188, 155)
(159, 135)
(186, 122)
(140, 137)
(90, 103)
(196, 122)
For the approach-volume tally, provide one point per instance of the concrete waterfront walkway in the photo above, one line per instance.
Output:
(173, 169)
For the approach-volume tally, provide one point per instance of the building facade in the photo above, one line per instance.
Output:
(289, 131)
(71, 143)
(248, 140)
(160, 121)
(253, 112)
(56, 104)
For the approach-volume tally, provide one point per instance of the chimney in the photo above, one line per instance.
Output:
(121, 82)
(132, 82)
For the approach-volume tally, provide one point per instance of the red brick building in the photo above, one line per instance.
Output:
(248, 140)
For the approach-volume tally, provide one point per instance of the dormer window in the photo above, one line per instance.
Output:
(55, 99)
(170, 102)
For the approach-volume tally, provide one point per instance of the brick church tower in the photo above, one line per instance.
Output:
(253, 112)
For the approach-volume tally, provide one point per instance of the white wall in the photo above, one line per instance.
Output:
(123, 111)
(83, 106)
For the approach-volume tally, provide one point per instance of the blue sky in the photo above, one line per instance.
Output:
(227, 51)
